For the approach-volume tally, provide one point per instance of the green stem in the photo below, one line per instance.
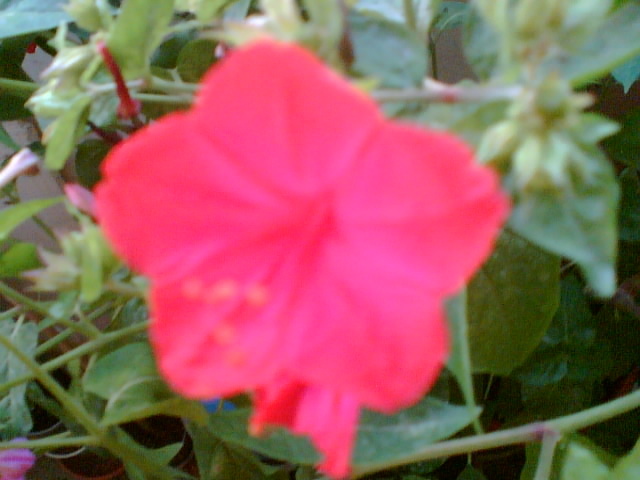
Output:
(177, 87)
(168, 99)
(50, 443)
(545, 460)
(67, 401)
(526, 433)
(84, 349)
(435, 91)
(89, 331)
(409, 14)
(11, 85)
(76, 410)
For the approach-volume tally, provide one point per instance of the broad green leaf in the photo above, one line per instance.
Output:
(18, 17)
(628, 73)
(18, 258)
(570, 347)
(606, 49)
(231, 426)
(141, 23)
(61, 136)
(460, 358)
(628, 468)
(15, 419)
(12, 53)
(630, 205)
(576, 220)
(14, 215)
(423, 10)
(387, 51)
(128, 379)
(385, 439)
(481, 45)
(511, 302)
(120, 368)
(581, 464)
(195, 58)
(88, 158)
(221, 460)
(451, 15)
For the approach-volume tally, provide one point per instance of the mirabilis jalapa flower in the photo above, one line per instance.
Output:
(299, 245)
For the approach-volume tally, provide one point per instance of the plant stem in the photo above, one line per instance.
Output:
(84, 349)
(50, 443)
(409, 14)
(169, 99)
(526, 433)
(545, 460)
(67, 401)
(11, 85)
(102, 435)
(87, 330)
(169, 86)
(435, 91)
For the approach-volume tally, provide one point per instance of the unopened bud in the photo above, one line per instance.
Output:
(85, 13)
(81, 198)
(498, 143)
(23, 162)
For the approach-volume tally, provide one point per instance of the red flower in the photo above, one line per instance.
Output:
(299, 244)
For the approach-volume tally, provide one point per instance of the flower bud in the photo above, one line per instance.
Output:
(498, 143)
(85, 13)
(15, 463)
(21, 163)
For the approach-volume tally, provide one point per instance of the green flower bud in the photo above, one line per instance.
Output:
(86, 14)
(498, 144)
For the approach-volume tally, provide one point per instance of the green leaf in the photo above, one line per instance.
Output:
(460, 358)
(481, 45)
(628, 73)
(120, 368)
(142, 23)
(451, 15)
(18, 258)
(387, 51)
(18, 17)
(387, 439)
(628, 468)
(195, 59)
(511, 302)
(581, 464)
(630, 205)
(88, 159)
(128, 379)
(15, 419)
(606, 49)
(61, 136)
(570, 348)
(424, 10)
(576, 220)
(14, 215)
(231, 426)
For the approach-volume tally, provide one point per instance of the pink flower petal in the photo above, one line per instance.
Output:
(299, 245)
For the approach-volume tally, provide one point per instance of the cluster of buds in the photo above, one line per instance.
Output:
(537, 26)
(543, 142)
(85, 263)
